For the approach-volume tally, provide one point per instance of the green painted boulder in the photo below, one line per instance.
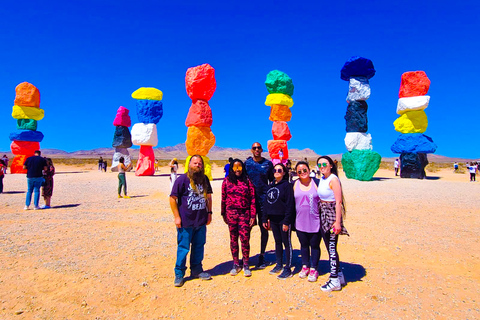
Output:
(361, 164)
(26, 124)
(279, 82)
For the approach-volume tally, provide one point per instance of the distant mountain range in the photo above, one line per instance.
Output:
(216, 153)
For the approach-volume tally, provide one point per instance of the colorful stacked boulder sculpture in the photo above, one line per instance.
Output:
(200, 84)
(122, 138)
(144, 133)
(27, 111)
(280, 88)
(412, 144)
(360, 162)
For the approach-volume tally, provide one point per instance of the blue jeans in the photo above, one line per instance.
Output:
(196, 237)
(34, 185)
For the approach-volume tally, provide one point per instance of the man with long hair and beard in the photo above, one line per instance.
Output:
(191, 203)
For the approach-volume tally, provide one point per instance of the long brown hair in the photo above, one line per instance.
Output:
(334, 170)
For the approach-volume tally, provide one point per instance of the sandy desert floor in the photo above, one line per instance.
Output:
(413, 254)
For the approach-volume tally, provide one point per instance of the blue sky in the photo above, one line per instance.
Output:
(87, 57)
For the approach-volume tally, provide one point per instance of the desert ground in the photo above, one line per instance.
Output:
(413, 254)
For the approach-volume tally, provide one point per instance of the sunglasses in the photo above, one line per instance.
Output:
(302, 171)
(324, 164)
(237, 168)
(253, 148)
(277, 170)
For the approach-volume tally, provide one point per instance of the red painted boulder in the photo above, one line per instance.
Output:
(200, 82)
(146, 161)
(27, 95)
(199, 114)
(274, 147)
(17, 164)
(414, 83)
(280, 131)
(24, 147)
(122, 118)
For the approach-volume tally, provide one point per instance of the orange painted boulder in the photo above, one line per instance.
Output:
(280, 131)
(17, 164)
(146, 162)
(199, 115)
(414, 83)
(200, 82)
(274, 147)
(24, 147)
(27, 95)
(199, 140)
(280, 112)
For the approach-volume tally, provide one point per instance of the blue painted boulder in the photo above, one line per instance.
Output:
(26, 135)
(413, 142)
(122, 137)
(149, 111)
(357, 67)
(356, 117)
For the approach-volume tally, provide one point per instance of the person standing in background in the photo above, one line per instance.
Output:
(5, 163)
(47, 189)
(35, 165)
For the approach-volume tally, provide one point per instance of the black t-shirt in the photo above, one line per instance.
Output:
(35, 165)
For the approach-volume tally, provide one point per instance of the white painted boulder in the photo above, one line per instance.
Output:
(144, 134)
(412, 104)
(358, 141)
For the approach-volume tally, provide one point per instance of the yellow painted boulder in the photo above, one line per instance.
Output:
(279, 98)
(206, 163)
(280, 112)
(412, 122)
(199, 140)
(20, 112)
(147, 94)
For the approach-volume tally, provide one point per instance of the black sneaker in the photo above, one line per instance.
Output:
(277, 269)
(179, 281)
(286, 273)
(261, 263)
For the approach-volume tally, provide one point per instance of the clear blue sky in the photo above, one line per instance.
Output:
(87, 57)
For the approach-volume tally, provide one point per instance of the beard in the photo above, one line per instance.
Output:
(197, 175)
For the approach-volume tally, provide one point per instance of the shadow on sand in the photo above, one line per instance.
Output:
(380, 178)
(66, 206)
(13, 192)
(68, 172)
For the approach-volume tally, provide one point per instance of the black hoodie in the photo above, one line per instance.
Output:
(279, 201)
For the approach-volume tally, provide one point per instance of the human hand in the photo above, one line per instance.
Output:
(252, 221)
(266, 225)
(285, 228)
(178, 222)
(209, 219)
(337, 227)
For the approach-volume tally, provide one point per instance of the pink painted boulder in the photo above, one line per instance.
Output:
(122, 118)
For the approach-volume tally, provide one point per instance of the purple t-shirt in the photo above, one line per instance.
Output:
(306, 204)
(191, 206)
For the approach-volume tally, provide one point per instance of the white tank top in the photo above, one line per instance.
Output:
(325, 193)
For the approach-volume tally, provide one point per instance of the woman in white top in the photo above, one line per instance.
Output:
(332, 213)
(173, 171)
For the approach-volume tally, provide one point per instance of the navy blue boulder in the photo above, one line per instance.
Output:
(357, 67)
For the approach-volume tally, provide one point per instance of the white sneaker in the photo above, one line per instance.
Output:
(304, 273)
(26, 208)
(343, 283)
(333, 284)
(37, 208)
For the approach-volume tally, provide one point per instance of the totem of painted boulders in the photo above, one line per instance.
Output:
(122, 137)
(279, 98)
(17, 164)
(357, 67)
(26, 135)
(26, 124)
(146, 160)
(358, 89)
(149, 111)
(144, 134)
(280, 131)
(27, 95)
(199, 140)
(361, 164)
(280, 113)
(412, 122)
(24, 147)
(414, 83)
(358, 140)
(414, 143)
(356, 117)
(122, 118)
(413, 165)
(274, 147)
(200, 82)
(412, 104)
(279, 82)
(21, 112)
(199, 114)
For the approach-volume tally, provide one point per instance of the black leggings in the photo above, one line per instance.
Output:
(472, 176)
(282, 239)
(331, 241)
(309, 241)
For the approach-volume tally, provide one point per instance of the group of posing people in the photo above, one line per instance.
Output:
(258, 192)
(40, 172)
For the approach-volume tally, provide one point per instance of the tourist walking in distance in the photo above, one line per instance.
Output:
(47, 189)
(5, 163)
(35, 165)
(122, 180)
(191, 204)
(396, 165)
(100, 164)
(238, 212)
(472, 168)
(2, 174)
(173, 171)
(260, 172)
(332, 213)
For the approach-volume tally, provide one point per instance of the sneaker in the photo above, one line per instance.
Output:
(313, 275)
(126, 197)
(277, 269)
(247, 272)
(179, 281)
(119, 196)
(341, 277)
(45, 207)
(235, 270)
(26, 208)
(304, 273)
(37, 208)
(261, 263)
(203, 276)
(333, 284)
(286, 273)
